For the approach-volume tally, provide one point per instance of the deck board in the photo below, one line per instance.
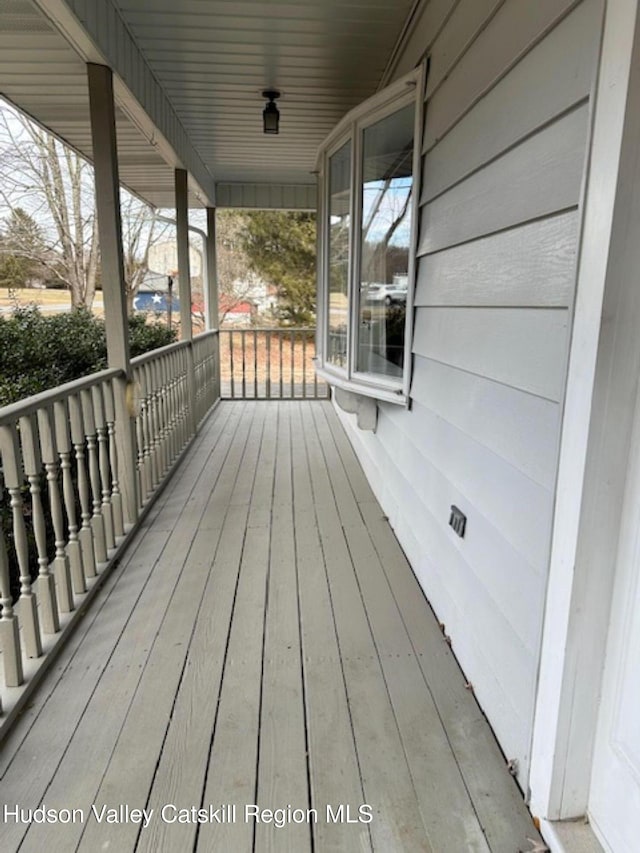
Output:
(263, 641)
(334, 771)
(183, 480)
(184, 759)
(447, 812)
(282, 762)
(387, 782)
(112, 763)
(232, 768)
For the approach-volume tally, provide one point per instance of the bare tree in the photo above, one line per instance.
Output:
(236, 282)
(53, 183)
(55, 186)
(141, 229)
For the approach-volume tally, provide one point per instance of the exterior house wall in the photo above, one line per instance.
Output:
(506, 135)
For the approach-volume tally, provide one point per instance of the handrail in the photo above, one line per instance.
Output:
(272, 329)
(207, 333)
(155, 353)
(30, 405)
(174, 347)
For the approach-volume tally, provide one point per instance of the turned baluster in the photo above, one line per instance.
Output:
(14, 480)
(153, 424)
(142, 491)
(173, 407)
(146, 432)
(9, 635)
(184, 400)
(45, 584)
(103, 461)
(49, 451)
(164, 415)
(74, 549)
(116, 496)
(175, 404)
(181, 402)
(162, 400)
(157, 384)
(95, 494)
(85, 534)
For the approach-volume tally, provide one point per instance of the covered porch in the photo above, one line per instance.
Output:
(202, 604)
(262, 641)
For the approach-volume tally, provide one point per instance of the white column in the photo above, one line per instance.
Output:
(107, 184)
(184, 273)
(211, 290)
(596, 432)
(213, 314)
(182, 235)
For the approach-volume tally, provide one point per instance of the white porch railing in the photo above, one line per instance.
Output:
(167, 409)
(68, 497)
(265, 364)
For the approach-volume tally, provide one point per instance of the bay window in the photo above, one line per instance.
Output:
(368, 177)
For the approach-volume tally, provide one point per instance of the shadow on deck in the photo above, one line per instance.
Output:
(263, 641)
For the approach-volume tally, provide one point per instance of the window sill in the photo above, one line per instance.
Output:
(377, 392)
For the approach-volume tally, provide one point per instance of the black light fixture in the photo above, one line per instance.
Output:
(271, 114)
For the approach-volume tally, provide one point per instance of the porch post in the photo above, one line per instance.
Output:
(596, 436)
(212, 271)
(182, 235)
(107, 189)
(213, 315)
(184, 274)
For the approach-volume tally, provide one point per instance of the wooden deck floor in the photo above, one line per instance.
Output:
(263, 642)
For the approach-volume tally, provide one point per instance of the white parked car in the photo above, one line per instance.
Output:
(389, 294)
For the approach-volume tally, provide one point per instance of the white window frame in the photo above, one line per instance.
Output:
(409, 89)
(337, 142)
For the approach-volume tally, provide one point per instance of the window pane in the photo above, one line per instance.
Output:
(339, 223)
(385, 242)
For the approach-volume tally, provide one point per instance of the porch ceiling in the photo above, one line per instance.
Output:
(215, 58)
(44, 76)
(212, 59)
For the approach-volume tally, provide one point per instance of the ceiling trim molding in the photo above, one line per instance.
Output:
(267, 196)
(413, 19)
(97, 32)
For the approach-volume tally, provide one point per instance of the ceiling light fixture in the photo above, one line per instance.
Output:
(271, 114)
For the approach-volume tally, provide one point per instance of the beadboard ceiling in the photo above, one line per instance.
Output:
(213, 59)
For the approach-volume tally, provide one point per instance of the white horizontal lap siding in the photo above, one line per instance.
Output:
(524, 434)
(496, 543)
(539, 177)
(511, 111)
(496, 49)
(532, 265)
(504, 144)
(523, 348)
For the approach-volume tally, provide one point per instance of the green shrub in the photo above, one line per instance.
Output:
(146, 335)
(38, 352)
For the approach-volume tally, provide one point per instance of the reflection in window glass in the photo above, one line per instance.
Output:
(339, 223)
(385, 242)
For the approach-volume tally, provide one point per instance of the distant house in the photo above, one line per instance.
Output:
(234, 312)
(263, 295)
